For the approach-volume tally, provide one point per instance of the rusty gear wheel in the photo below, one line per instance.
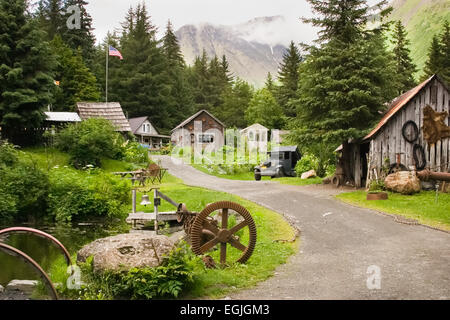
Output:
(206, 234)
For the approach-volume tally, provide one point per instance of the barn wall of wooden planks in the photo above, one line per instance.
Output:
(388, 141)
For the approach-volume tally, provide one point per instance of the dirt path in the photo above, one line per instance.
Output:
(339, 244)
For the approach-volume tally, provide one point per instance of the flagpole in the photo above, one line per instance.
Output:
(107, 65)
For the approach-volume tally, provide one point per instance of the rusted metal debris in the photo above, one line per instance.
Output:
(24, 257)
(427, 175)
(434, 127)
(210, 228)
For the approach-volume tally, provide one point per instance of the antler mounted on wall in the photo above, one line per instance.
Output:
(434, 127)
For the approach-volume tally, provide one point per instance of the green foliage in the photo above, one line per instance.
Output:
(23, 188)
(439, 55)
(288, 77)
(265, 110)
(347, 80)
(422, 21)
(377, 185)
(236, 100)
(76, 195)
(404, 66)
(134, 152)
(87, 142)
(168, 280)
(306, 163)
(77, 83)
(24, 87)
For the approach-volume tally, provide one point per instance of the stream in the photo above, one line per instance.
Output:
(73, 236)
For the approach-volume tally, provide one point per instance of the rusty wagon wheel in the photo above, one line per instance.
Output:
(206, 232)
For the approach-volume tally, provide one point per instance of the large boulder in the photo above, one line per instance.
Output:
(309, 174)
(126, 251)
(404, 182)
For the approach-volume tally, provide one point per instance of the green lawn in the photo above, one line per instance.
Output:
(249, 176)
(210, 283)
(216, 283)
(422, 206)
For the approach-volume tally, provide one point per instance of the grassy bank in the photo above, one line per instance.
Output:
(209, 283)
(216, 283)
(249, 176)
(421, 207)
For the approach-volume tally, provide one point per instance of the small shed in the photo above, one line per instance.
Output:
(256, 136)
(146, 133)
(414, 133)
(110, 111)
(201, 128)
(60, 118)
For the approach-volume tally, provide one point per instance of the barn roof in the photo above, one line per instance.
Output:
(185, 122)
(397, 104)
(62, 117)
(110, 111)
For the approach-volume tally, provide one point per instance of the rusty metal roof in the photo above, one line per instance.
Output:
(397, 104)
(111, 111)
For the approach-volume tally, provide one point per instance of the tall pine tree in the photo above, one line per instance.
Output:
(140, 82)
(289, 77)
(404, 66)
(346, 81)
(180, 100)
(80, 38)
(50, 18)
(76, 82)
(26, 71)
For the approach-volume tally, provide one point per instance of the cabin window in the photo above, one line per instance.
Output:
(287, 155)
(251, 136)
(205, 138)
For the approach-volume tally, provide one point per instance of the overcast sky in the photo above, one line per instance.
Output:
(108, 14)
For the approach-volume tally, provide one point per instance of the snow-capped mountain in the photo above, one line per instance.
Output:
(253, 48)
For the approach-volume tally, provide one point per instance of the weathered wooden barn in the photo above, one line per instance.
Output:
(413, 134)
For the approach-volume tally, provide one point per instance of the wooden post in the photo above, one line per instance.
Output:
(156, 209)
(133, 196)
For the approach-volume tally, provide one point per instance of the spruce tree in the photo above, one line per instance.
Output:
(264, 109)
(50, 18)
(345, 82)
(199, 77)
(445, 43)
(76, 82)
(404, 66)
(83, 37)
(270, 84)
(26, 71)
(288, 77)
(434, 64)
(236, 100)
(140, 81)
(180, 100)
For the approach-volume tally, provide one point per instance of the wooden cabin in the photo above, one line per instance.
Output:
(426, 107)
(147, 134)
(202, 128)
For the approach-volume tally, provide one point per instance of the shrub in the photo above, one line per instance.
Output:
(134, 152)
(166, 281)
(306, 163)
(23, 188)
(87, 142)
(76, 195)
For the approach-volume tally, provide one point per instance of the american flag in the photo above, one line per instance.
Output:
(114, 52)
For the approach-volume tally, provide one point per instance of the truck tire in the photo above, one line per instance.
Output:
(258, 176)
